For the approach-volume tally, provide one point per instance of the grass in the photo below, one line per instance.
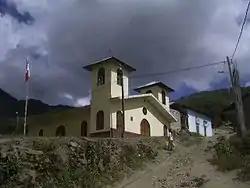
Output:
(231, 154)
(189, 139)
(72, 162)
(226, 156)
(208, 102)
(211, 103)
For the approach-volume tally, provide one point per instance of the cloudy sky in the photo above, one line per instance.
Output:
(151, 35)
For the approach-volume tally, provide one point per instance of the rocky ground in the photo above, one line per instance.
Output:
(71, 162)
(187, 167)
(80, 162)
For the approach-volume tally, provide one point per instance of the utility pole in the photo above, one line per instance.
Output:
(123, 110)
(236, 89)
(111, 132)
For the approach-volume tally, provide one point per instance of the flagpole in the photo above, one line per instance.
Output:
(27, 75)
(26, 108)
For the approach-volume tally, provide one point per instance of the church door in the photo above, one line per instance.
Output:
(145, 128)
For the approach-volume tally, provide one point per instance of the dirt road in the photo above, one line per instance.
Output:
(185, 167)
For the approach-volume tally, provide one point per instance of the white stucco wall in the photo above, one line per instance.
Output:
(192, 123)
(71, 119)
(134, 116)
(116, 90)
(157, 92)
(100, 96)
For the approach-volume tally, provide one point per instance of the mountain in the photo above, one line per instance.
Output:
(37, 107)
(10, 105)
(210, 103)
(7, 102)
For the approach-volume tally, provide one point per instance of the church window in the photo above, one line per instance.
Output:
(101, 76)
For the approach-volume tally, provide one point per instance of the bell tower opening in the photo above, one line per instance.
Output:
(108, 75)
(101, 76)
(158, 89)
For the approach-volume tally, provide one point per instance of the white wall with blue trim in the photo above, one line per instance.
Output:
(199, 123)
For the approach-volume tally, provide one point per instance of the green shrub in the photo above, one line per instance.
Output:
(195, 134)
(227, 162)
(244, 174)
(74, 163)
(9, 167)
(226, 156)
(223, 147)
(189, 138)
(146, 151)
(44, 145)
(233, 154)
(130, 157)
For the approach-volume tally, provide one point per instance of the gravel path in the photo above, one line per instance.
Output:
(185, 167)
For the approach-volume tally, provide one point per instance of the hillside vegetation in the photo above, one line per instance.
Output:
(72, 162)
(134, 162)
(233, 153)
(10, 105)
(210, 103)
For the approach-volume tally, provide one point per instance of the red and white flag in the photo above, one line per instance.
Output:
(27, 72)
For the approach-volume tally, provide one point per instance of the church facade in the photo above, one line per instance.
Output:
(145, 114)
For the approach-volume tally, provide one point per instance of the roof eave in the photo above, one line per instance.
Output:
(88, 67)
(163, 109)
(121, 63)
(137, 90)
(155, 102)
(128, 67)
(160, 84)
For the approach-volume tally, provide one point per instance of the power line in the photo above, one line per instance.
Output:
(241, 30)
(97, 89)
(162, 73)
(178, 70)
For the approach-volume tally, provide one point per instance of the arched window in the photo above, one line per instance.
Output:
(163, 94)
(101, 76)
(41, 132)
(100, 120)
(149, 91)
(119, 77)
(60, 131)
(84, 128)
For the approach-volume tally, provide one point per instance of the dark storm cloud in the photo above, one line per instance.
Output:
(8, 7)
(163, 36)
(152, 36)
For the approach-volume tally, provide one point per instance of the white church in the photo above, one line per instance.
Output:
(146, 114)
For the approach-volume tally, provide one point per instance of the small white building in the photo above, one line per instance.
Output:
(196, 122)
(199, 123)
